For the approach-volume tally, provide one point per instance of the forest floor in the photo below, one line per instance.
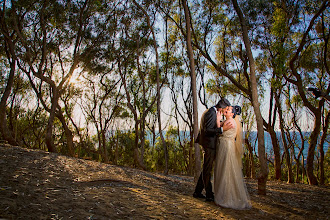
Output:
(39, 185)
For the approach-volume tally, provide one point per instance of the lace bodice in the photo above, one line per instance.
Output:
(231, 133)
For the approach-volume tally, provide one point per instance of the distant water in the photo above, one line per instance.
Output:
(268, 141)
(298, 142)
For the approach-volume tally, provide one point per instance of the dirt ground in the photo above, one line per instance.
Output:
(40, 185)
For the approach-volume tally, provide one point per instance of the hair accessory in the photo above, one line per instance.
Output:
(237, 110)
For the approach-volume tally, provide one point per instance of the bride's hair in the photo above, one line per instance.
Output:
(239, 139)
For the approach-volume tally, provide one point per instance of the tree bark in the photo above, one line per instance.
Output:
(6, 133)
(311, 150)
(262, 178)
(49, 129)
(12, 59)
(251, 165)
(193, 88)
(271, 130)
(277, 154)
(68, 133)
(286, 150)
(322, 141)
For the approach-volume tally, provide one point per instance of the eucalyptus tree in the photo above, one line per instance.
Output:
(9, 64)
(18, 101)
(101, 104)
(174, 64)
(190, 53)
(158, 76)
(133, 59)
(306, 72)
(181, 96)
(273, 41)
(262, 178)
(295, 106)
(248, 123)
(274, 21)
(53, 41)
(140, 99)
(179, 14)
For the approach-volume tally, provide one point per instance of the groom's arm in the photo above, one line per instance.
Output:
(210, 120)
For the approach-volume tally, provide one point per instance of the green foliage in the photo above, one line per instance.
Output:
(311, 60)
(29, 127)
(122, 145)
(177, 155)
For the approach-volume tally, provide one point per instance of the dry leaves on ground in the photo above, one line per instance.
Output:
(39, 185)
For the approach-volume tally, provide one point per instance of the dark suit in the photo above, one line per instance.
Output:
(207, 137)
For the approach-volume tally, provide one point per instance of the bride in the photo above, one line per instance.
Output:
(229, 187)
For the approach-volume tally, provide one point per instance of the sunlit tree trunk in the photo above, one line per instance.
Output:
(193, 88)
(262, 178)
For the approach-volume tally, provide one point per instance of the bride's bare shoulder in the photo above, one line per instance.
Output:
(230, 120)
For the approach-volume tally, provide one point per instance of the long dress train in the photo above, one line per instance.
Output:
(229, 187)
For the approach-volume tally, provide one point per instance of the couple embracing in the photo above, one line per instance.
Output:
(223, 147)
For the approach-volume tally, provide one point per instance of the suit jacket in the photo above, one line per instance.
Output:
(208, 131)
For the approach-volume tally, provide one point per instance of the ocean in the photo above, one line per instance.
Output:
(268, 141)
(298, 142)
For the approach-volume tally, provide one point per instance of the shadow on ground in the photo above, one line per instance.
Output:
(39, 185)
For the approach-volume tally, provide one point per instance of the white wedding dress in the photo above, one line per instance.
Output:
(229, 187)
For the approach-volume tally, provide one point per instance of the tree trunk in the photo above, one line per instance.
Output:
(137, 159)
(286, 149)
(288, 159)
(6, 133)
(277, 153)
(297, 170)
(68, 133)
(251, 166)
(49, 129)
(191, 155)
(270, 128)
(193, 88)
(311, 151)
(322, 141)
(303, 173)
(116, 150)
(104, 146)
(262, 178)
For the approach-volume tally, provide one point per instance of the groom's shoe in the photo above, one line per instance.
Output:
(209, 199)
(198, 195)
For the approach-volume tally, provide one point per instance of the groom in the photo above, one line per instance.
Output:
(207, 137)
